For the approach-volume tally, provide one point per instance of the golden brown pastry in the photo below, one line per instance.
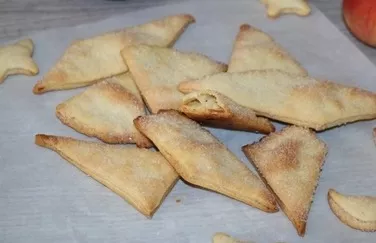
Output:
(157, 72)
(214, 109)
(142, 177)
(358, 212)
(105, 110)
(202, 160)
(88, 61)
(290, 162)
(256, 50)
(291, 98)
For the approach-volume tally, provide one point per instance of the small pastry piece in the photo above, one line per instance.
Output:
(290, 162)
(157, 72)
(275, 8)
(214, 109)
(202, 160)
(291, 98)
(256, 50)
(16, 59)
(142, 177)
(358, 212)
(225, 238)
(87, 61)
(106, 111)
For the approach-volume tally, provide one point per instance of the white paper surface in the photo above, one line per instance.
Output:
(45, 199)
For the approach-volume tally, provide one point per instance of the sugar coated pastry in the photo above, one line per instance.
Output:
(201, 159)
(290, 163)
(157, 72)
(142, 177)
(105, 110)
(90, 60)
(296, 99)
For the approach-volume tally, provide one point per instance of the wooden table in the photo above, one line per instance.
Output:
(21, 17)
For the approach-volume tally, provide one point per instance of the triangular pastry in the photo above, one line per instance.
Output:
(290, 163)
(142, 177)
(358, 212)
(157, 72)
(16, 59)
(291, 98)
(202, 160)
(256, 50)
(275, 8)
(89, 60)
(214, 109)
(106, 111)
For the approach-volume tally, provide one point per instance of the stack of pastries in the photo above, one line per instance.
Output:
(142, 91)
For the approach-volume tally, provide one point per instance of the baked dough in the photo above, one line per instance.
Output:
(291, 98)
(142, 177)
(290, 163)
(88, 61)
(157, 72)
(202, 160)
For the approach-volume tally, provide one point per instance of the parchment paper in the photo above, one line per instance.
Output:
(45, 199)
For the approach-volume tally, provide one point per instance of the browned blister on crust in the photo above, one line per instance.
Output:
(202, 160)
(16, 58)
(88, 61)
(106, 111)
(275, 8)
(214, 109)
(290, 163)
(291, 98)
(142, 177)
(256, 50)
(157, 72)
(358, 212)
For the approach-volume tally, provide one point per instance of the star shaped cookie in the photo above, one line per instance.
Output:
(16, 59)
(275, 8)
